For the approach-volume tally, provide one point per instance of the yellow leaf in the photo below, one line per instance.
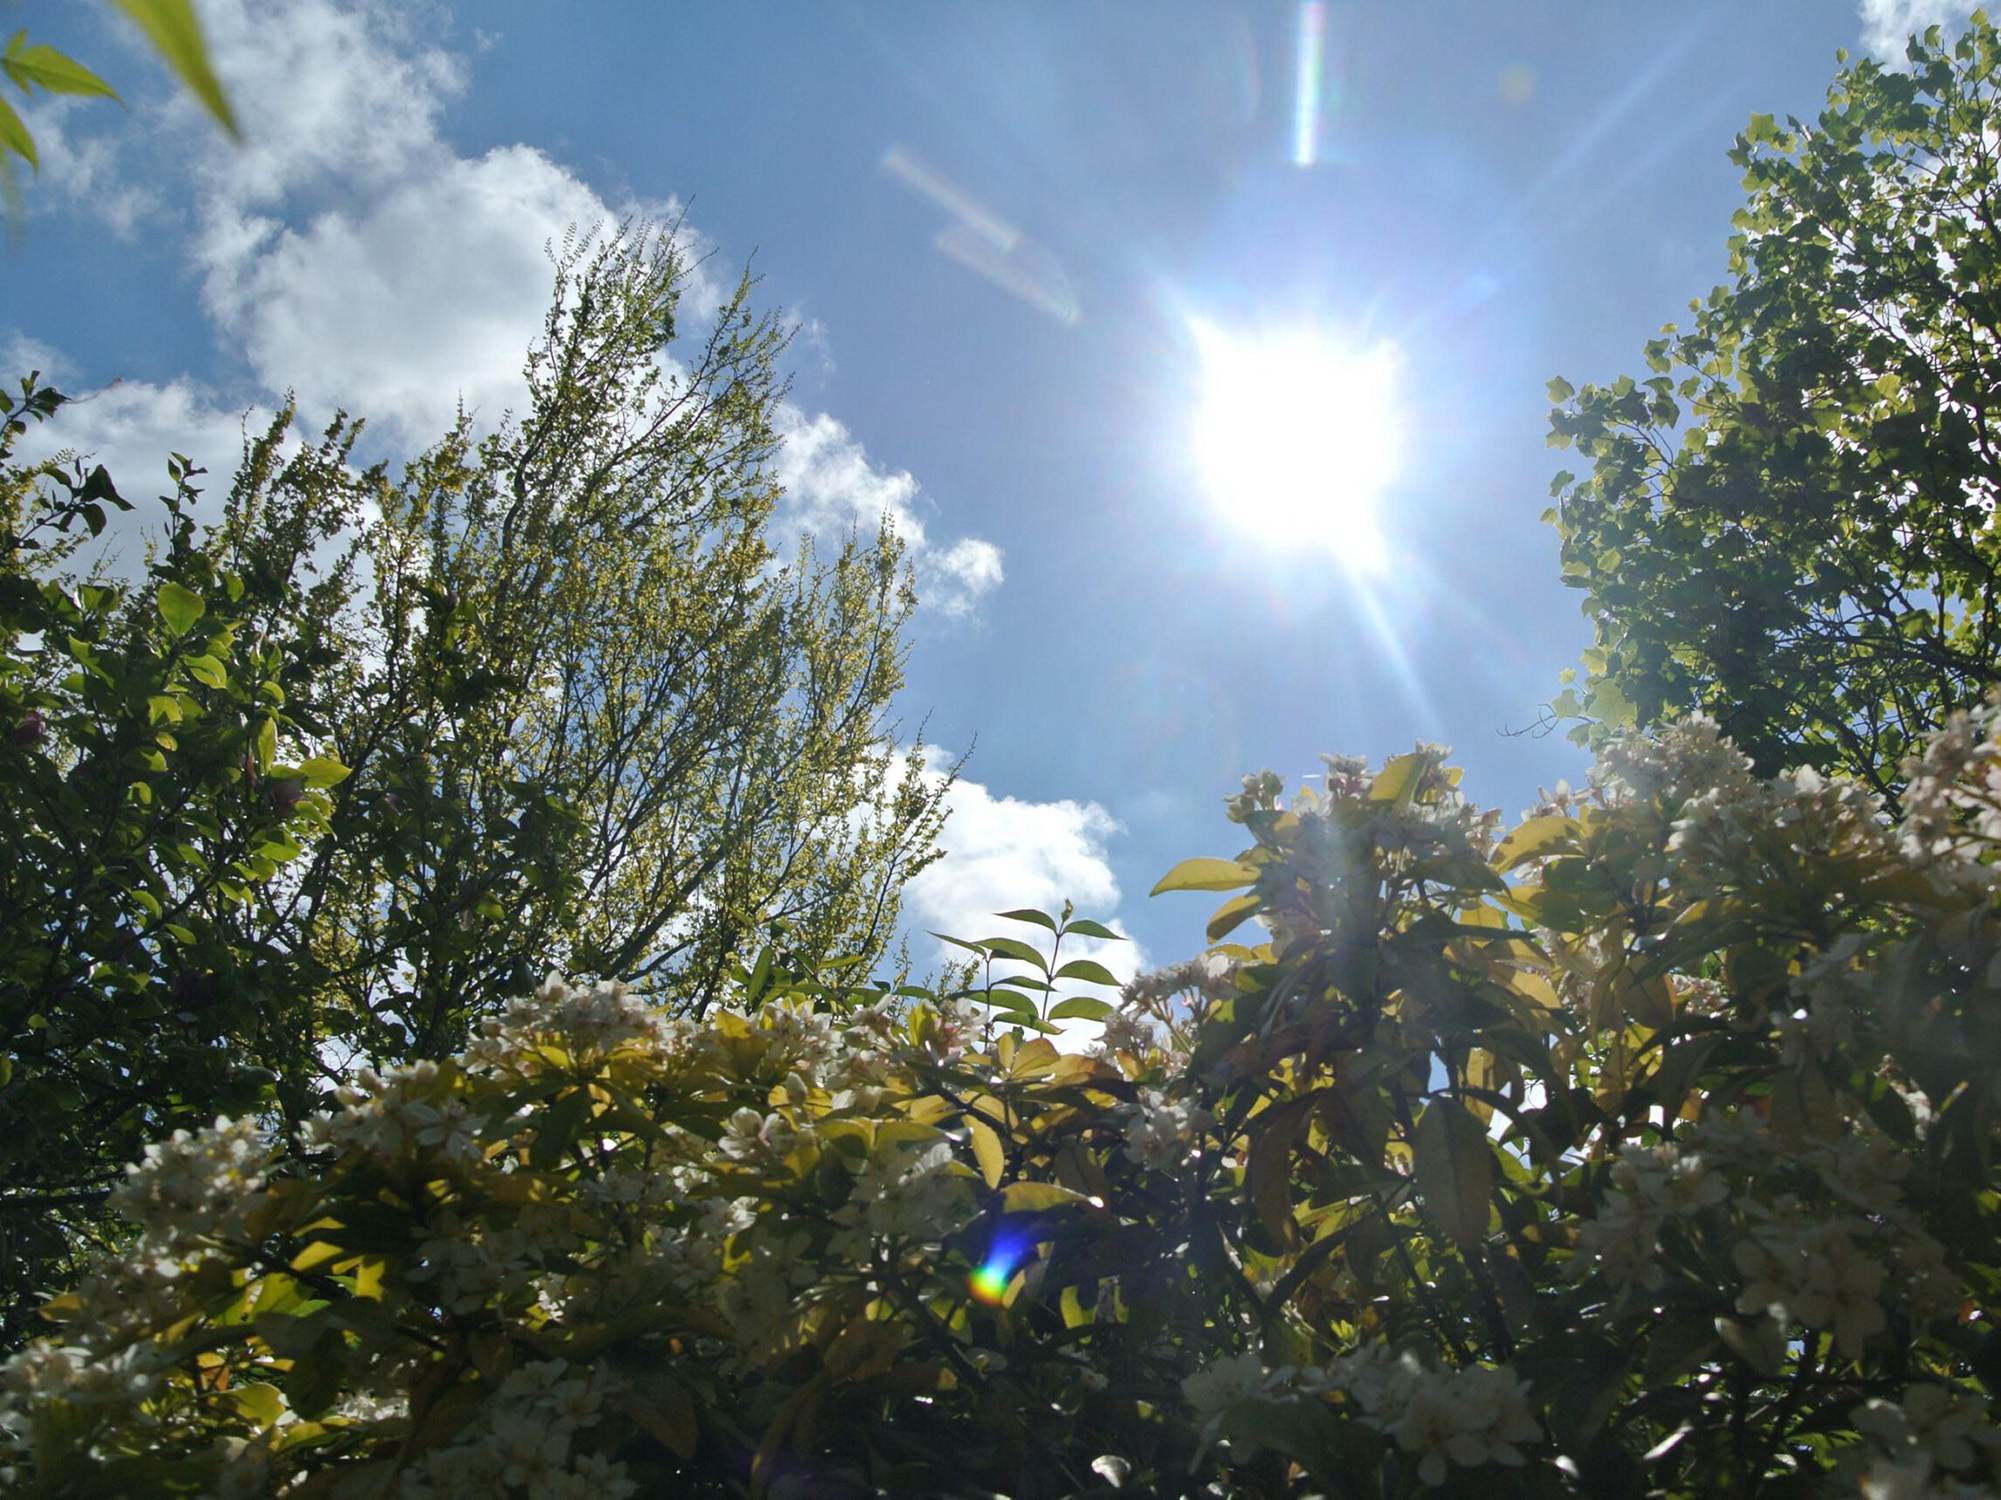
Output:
(1550, 833)
(318, 1253)
(1398, 780)
(1035, 1197)
(1206, 875)
(1233, 913)
(987, 1150)
(664, 1408)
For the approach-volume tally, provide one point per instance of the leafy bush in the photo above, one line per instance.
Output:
(1645, 1149)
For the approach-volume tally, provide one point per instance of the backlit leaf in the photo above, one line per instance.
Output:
(1454, 1169)
(1206, 874)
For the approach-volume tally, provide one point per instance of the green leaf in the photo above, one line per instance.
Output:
(1089, 970)
(14, 135)
(1080, 1008)
(208, 670)
(1454, 1170)
(1011, 1003)
(171, 27)
(1560, 390)
(1015, 948)
(180, 607)
(1206, 874)
(1029, 914)
(49, 69)
(1085, 927)
(559, 1129)
(320, 771)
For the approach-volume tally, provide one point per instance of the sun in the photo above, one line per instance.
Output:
(1297, 435)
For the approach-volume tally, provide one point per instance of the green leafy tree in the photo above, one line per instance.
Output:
(1788, 523)
(583, 714)
(595, 719)
(155, 783)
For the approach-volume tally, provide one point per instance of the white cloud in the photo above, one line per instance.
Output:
(131, 426)
(353, 257)
(329, 96)
(423, 299)
(1888, 25)
(1005, 853)
(832, 487)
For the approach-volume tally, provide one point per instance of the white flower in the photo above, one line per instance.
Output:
(907, 1192)
(1213, 1391)
(1936, 1422)
(1816, 1273)
(193, 1184)
(750, 1136)
(1158, 1131)
(1470, 1417)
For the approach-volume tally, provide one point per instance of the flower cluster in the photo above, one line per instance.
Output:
(1160, 1130)
(531, 1439)
(1649, 1188)
(1471, 1416)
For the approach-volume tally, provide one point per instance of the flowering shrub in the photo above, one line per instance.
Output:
(1643, 1149)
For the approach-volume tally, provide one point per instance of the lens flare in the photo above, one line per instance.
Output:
(1309, 82)
(989, 1284)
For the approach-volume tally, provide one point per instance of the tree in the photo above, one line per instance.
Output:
(1645, 1150)
(552, 699)
(153, 779)
(1789, 523)
(595, 721)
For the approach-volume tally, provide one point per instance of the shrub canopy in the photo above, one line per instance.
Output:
(1645, 1148)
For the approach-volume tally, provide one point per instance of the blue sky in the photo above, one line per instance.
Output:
(999, 228)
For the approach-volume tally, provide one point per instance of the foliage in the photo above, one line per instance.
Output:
(156, 780)
(1644, 1150)
(579, 710)
(595, 721)
(169, 26)
(1786, 525)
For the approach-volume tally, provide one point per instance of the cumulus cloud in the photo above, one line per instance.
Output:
(832, 487)
(1888, 25)
(1005, 853)
(377, 311)
(353, 257)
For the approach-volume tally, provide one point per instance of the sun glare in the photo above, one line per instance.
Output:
(1297, 434)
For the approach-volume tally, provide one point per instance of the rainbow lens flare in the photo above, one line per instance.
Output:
(989, 1284)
